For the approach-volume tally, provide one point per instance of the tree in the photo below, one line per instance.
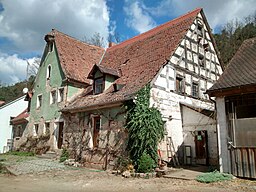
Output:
(145, 128)
(96, 39)
(232, 36)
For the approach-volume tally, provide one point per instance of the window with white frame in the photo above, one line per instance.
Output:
(60, 94)
(35, 130)
(53, 97)
(48, 73)
(46, 128)
(39, 101)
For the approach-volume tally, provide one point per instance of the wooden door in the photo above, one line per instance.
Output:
(201, 145)
(60, 135)
(96, 130)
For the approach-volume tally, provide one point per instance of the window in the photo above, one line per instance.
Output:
(53, 97)
(39, 101)
(48, 73)
(179, 85)
(60, 94)
(98, 85)
(96, 130)
(195, 89)
(35, 131)
(46, 128)
(19, 131)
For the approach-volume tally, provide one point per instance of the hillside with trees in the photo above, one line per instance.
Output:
(232, 36)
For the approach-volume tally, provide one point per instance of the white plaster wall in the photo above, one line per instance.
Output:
(11, 109)
(194, 121)
(169, 105)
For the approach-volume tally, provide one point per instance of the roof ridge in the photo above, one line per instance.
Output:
(69, 36)
(153, 30)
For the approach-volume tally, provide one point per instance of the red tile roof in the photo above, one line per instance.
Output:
(20, 118)
(241, 70)
(139, 59)
(76, 57)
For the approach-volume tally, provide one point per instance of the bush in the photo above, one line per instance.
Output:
(20, 153)
(145, 164)
(64, 155)
(213, 177)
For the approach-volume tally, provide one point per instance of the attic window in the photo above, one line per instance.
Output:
(48, 73)
(98, 85)
(200, 28)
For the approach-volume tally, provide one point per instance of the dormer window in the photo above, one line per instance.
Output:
(98, 85)
(48, 74)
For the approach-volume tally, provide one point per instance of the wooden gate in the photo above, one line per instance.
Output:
(243, 161)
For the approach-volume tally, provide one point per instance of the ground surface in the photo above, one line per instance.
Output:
(46, 175)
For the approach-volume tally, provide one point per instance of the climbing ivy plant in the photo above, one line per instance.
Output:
(145, 127)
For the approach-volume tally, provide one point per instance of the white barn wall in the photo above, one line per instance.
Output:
(185, 63)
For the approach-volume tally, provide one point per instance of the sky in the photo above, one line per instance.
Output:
(23, 23)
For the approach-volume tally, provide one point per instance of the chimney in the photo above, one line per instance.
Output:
(111, 44)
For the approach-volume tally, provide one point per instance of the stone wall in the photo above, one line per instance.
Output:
(78, 137)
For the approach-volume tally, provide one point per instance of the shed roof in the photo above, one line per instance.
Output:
(240, 72)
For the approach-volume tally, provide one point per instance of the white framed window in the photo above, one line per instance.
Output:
(39, 101)
(53, 97)
(46, 128)
(35, 130)
(60, 94)
(48, 72)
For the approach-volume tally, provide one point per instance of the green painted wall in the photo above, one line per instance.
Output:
(98, 74)
(47, 111)
(109, 79)
(72, 90)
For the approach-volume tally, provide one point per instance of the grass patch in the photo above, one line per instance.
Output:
(213, 177)
(20, 153)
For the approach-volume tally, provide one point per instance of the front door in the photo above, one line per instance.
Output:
(201, 145)
(60, 135)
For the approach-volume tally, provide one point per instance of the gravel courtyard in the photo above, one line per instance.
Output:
(33, 174)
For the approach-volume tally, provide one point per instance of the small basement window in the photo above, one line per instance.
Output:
(35, 131)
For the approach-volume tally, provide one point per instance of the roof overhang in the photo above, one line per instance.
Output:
(238, 90)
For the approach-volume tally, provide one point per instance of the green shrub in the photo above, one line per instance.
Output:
(145, 164)
(213, 177)
(20, 153)
(64, 155)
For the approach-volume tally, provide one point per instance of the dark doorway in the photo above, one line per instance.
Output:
(60, 135)
(201, 145)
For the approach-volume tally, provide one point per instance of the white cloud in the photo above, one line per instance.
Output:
(26, 22)
(138, 18)
(12, 68)
(218, 12)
